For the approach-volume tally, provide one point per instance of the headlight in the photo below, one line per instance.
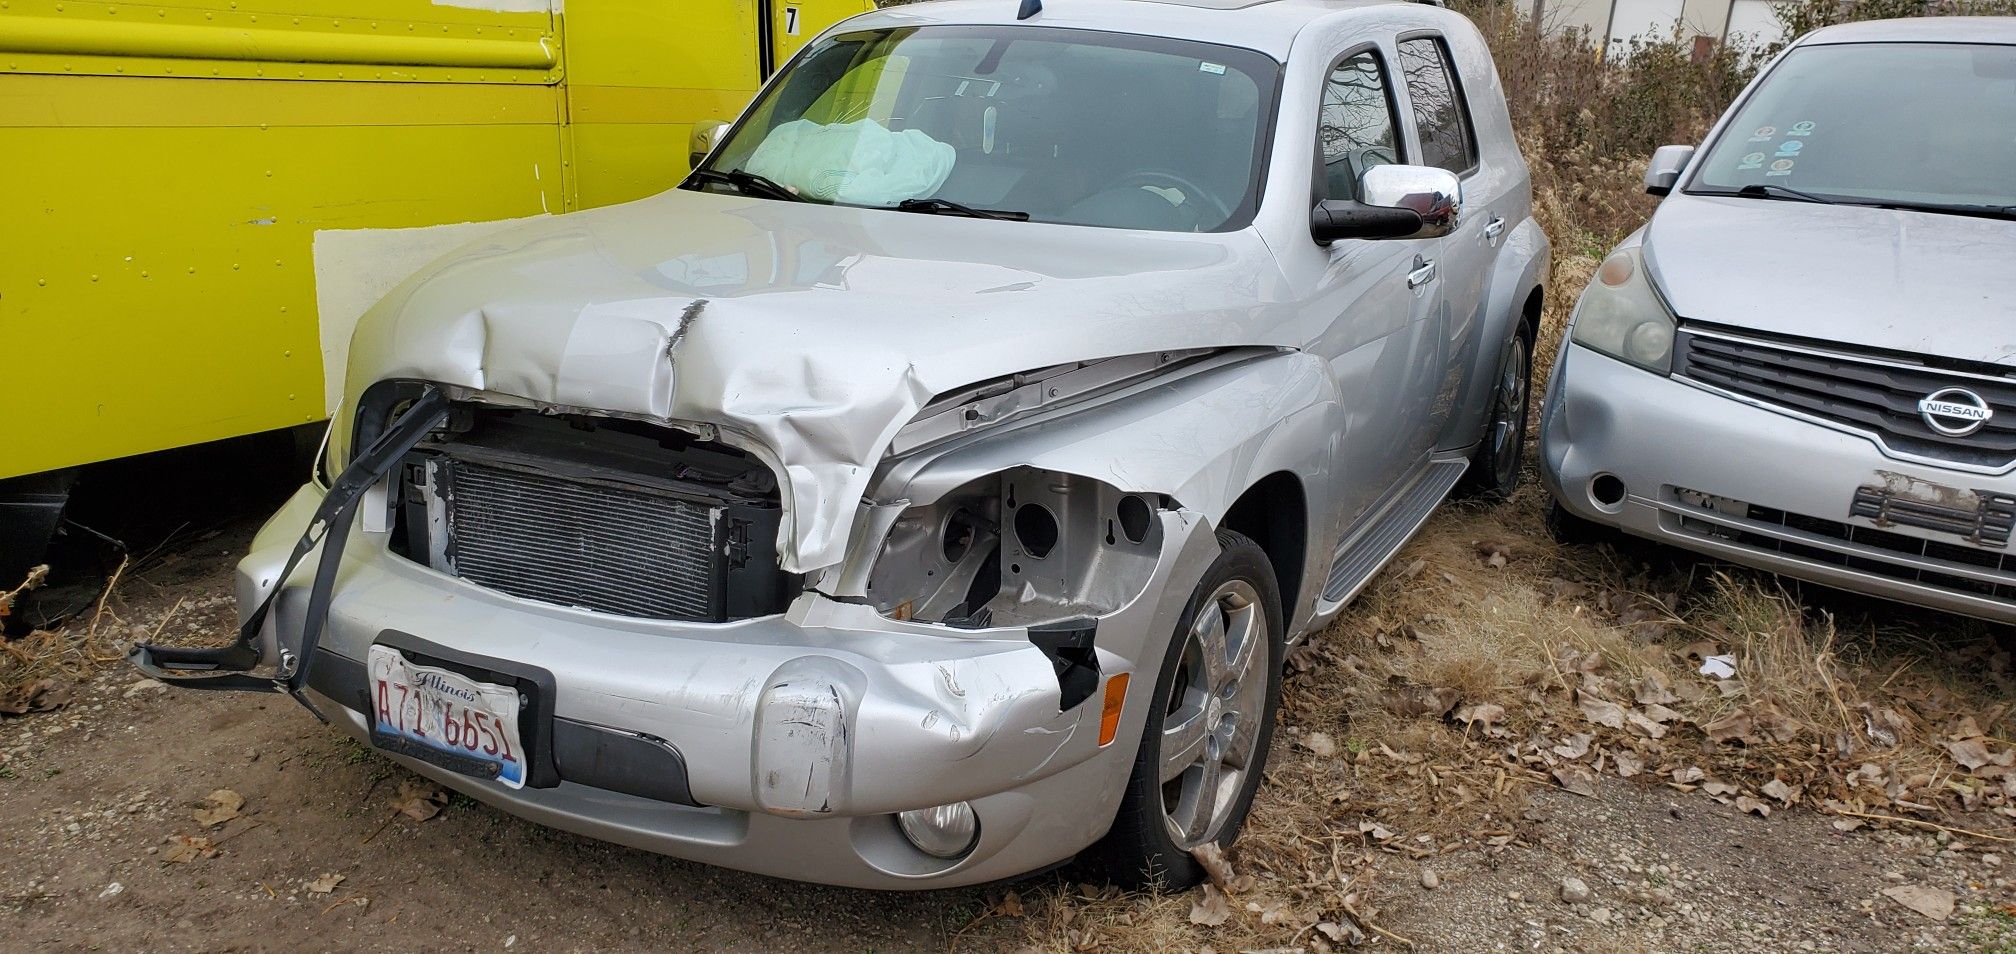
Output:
(1621, 315)
(1015, 548)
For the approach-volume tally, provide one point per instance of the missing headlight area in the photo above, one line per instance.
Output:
(1019, 547)
(608, 515)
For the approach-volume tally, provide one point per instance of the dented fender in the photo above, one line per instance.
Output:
(1200, 440)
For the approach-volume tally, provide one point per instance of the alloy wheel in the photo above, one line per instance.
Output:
(1212, 721)
(1508, 411)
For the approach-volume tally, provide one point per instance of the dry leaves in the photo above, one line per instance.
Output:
(1212, 859)
(1211, 908)
(420, 799)
(1489, 715)
(1601, 711)
(1627, 764)
(1883, 725)
(1753, 725)
(1934, 903)
(219, 807)
(39, 695)
(326, 883)
(1655, 690)
(1010, 906)
(1577, 779)
(1404, 699)
(186, 848)
(35, 577)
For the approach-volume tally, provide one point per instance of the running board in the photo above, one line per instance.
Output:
(1389, 528)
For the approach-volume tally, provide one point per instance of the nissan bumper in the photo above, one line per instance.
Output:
(1664, 459)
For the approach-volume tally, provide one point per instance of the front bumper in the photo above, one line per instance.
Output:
(798, 735)
(1745, 483)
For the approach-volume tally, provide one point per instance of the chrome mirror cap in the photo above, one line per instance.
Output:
(1434, 194)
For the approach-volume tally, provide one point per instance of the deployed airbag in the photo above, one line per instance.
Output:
(860, 163)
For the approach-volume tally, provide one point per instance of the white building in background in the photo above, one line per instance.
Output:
(1615, 23)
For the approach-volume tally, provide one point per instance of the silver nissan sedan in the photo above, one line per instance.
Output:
(1806, 361)
(926, 492)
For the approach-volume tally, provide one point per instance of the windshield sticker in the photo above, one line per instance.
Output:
(1216, 69)
(1782, 167)
(1754, 160)
(1764, 134)
(1803, 127)
(1790, 148)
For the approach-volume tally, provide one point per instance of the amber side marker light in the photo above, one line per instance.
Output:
(1109, 711)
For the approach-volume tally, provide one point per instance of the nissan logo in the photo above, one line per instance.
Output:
(1954, 412)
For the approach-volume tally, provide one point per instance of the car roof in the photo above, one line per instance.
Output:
(1269, 26)
(1917, 30)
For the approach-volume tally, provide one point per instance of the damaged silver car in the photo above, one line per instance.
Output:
(927, 491)
(1806, 361)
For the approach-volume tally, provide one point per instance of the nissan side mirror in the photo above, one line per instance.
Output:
(707, 133)
(1395, 202)
(1663, 172)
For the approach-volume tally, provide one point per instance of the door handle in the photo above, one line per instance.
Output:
(1493, 229)
(1423, 273)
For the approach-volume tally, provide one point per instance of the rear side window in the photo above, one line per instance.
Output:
(1356, 129)
(1441, 119)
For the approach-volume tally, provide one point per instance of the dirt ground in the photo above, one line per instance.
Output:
(96, 792)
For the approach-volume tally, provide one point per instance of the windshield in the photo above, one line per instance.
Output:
(1059, 125)
(1915, 125)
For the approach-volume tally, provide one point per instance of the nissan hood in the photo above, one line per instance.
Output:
(1918, 282)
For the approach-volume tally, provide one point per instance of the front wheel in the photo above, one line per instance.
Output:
(1501, 458)
(1209, 724)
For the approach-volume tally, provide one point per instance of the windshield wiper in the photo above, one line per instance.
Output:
(1956, 208)
(949, 207)
(1769, 191)
(748, 183)
(1766, 190)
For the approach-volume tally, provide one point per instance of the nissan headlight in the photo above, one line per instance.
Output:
(1621, 314)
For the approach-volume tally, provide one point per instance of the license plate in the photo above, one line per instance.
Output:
(448, 712)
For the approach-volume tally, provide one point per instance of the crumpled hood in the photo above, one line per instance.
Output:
(1908, 281)
(816, 331)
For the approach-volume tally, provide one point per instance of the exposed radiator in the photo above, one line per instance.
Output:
(614, 547)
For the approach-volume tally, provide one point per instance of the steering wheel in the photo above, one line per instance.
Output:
(1163, 177)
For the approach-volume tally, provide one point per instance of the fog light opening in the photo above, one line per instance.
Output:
(1607, 490)
(947, 831)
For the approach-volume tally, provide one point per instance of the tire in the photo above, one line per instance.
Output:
(1500, 461)
(1143, 849)
(1570, 529)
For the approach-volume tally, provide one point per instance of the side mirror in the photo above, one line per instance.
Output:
(707, 133)
(1395, 202)
(1663, 172)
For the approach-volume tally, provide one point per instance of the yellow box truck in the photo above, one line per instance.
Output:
(169, 167)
